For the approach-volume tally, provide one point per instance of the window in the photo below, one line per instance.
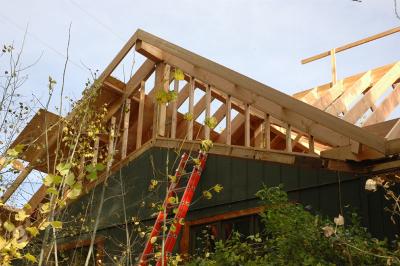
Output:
(201, 235)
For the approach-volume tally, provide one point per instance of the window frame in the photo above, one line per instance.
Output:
(185, 240)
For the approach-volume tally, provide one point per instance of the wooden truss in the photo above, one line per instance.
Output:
(268, 121)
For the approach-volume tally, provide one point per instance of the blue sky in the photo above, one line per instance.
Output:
(262, 39)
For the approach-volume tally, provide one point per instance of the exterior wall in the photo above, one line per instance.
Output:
(241, 179)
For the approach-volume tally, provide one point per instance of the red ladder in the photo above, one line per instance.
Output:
(183, 208)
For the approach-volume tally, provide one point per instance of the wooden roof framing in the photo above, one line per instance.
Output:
(268, 120)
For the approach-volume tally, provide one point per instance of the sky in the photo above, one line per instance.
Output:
(263, 39)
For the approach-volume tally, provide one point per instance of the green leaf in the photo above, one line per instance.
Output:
(63, 168)
(75, 191)
(90, 168)
(50, 180)
(100, 167)
(92, 176)
(70, 179)
(29, 257)
(52, 191)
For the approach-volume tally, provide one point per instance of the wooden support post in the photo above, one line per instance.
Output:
(247, 126)
(311, 144)
(95, 150)
(288, 138)
(139, 131)
(228, 120)
(164, 84)
(17, 182)
(267, 132)
(207, 114)
(110, 149)
(174, 110)
(191, 105)
(124, 142)
(333, 66)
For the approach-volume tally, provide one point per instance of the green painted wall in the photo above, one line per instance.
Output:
(241, 179)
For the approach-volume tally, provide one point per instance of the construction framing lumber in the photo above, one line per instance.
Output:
(302, 116)
(351, 45)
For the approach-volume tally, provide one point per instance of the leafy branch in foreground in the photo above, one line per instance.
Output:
(294, 236)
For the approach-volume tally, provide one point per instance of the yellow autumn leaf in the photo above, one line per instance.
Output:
(33, 231)
(178, 74)
(9, 226)
(206, 145)
(45, 208)
(172, 178)
(44, 225)
(21, 216)
(56, 224)
(207, 194)
(218, 188)
(153, 240)
(29, 257)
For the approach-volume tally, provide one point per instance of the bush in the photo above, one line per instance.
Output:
(294, 236)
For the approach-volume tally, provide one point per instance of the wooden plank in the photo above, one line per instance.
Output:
(142, 74)
(139, 130)
(236, 124)
(311, 148)
(110, 149)
(267, 131)
(191, 103)
(16, 183)
(174, 105)
(162, 81)
(124, 142)
(247, 126)
(340, 104)
(385, 108)
(373, 94)
(207, 114)
(288, 138)
(323, 102)
(302, 116)
(228, 120)
(394, 133)
(351, 45)
(118, 58)
(333, 66)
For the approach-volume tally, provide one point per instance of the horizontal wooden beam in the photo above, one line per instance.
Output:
(302, 116)
(351, 45)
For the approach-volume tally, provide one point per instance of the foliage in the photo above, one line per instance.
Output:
(389, 183)
(294, 236)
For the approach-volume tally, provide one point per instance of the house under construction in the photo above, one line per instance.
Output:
(322, 144)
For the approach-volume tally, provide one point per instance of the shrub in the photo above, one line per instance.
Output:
(294, 236)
